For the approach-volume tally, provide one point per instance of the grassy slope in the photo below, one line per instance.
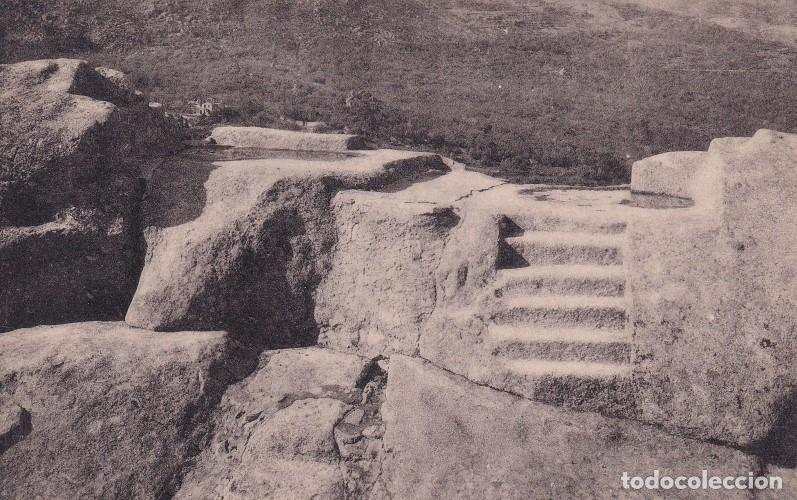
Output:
(774, 20)
(559, 91)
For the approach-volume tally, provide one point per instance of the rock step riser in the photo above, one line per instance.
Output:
(548, 254)
(605, 395)
(595, 317)
(609, 352)
(553, 223)
(562, 286)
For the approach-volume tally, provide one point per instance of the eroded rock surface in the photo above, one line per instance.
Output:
(258, 137)
(70, 135)
(306, 424)
(668, 173)
(714, 290)
(501, 294)
(70, 155)
(109, 411)
(242, 244)
(379, 291)
(449, 438)
(393, 260)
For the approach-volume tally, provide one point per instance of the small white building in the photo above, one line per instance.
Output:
(203, 108)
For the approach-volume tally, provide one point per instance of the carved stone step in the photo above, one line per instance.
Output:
(558, 247)
(560, 310)
(565, 279)
(600, 352)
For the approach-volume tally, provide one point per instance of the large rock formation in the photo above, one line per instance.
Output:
(242, 244)
(714, 293)
(70, 156)
(449, 438)
(586, 299)
(443, 301)
(548, 295)
(382, 286)
(102, 410)
(70, 135)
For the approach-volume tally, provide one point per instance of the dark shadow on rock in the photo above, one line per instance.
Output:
(19, 206)
(258, 271)
(197, 422)
(423, 168)
(271, 300)
(508, 257)
(17, 426)
(508, 228)
(780, 445)
(657, 201)
(89, 269)
(265, 296)
(267, 300)
(88, 82)
(177, 192)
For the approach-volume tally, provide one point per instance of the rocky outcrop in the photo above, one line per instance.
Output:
(449, 438)
(258, 137)
(306, 424)
(91, 262)
(70, 159)
(101, 410)
(68, 137)
(242, 245)
(448, 307)
(392, 264)
(668, 173)
(583, 299)
(121, 81)
(714, 291)
(379, 291)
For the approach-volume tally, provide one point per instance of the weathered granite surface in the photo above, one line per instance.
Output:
(242, 244)
(107, 411)
(383, 284)
(258, 137)
(668, 173)
(305, 424)
(397, 264)
(71, 152)
(714, 293)
(449, 438)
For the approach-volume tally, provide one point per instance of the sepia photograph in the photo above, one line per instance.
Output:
(398, 249)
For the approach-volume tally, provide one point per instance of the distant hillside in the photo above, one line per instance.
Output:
(773, 20)
(560, 91)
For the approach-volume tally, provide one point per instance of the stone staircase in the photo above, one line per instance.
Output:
(558, 322)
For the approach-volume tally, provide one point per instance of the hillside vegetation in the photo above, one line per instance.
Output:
(559, 91)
